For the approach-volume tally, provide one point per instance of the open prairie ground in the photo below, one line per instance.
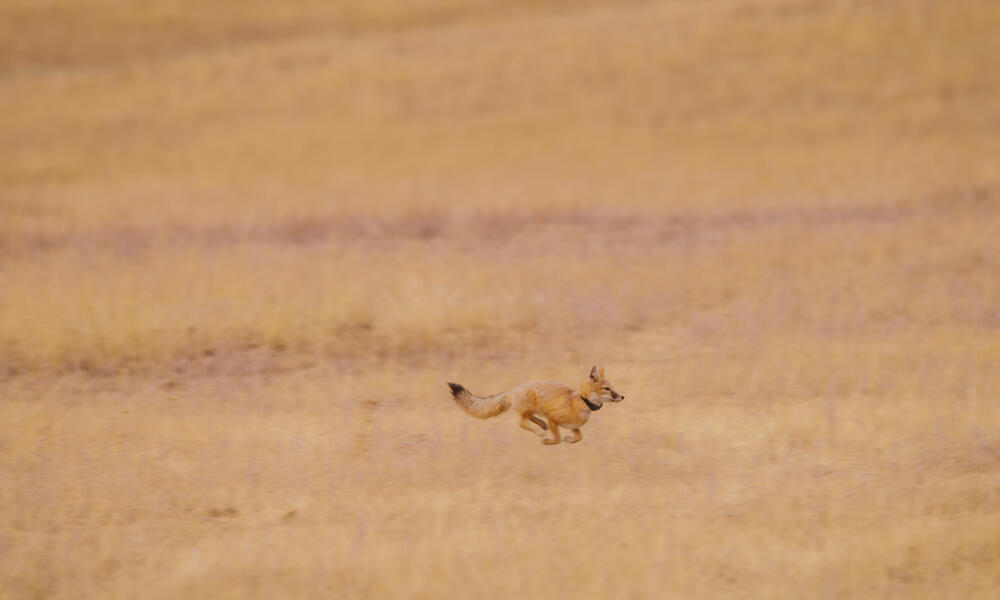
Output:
(242, 250)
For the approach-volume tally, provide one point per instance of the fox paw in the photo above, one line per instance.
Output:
(550, 442)
(571, 439)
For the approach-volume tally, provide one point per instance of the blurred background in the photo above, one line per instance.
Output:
(243, 246)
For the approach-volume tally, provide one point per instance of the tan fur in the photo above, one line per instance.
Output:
(557, 403)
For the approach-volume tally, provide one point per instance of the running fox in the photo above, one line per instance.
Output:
(558, 403)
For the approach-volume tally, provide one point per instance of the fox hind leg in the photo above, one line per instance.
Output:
(538, 422)
(554, 427)
(532, 425)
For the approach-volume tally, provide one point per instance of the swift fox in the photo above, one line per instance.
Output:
(558, 403)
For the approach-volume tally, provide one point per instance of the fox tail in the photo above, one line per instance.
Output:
(482, 408)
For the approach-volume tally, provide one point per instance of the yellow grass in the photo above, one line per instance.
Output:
(242, 251)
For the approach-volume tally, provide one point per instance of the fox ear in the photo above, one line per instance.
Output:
(601, 372)
(594, 375)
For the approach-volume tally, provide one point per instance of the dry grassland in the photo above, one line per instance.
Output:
(240, 254)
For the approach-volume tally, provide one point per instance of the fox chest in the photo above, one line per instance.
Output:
(571, 415)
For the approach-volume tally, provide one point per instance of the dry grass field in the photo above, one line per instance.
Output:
(242, 250)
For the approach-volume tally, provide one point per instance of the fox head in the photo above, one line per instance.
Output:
(598, 390)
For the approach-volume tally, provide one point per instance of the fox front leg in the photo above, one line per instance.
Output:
(577, 436)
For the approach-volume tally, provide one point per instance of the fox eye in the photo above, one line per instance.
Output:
(607, 387)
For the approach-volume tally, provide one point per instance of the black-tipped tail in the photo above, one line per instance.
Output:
(481, 408)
